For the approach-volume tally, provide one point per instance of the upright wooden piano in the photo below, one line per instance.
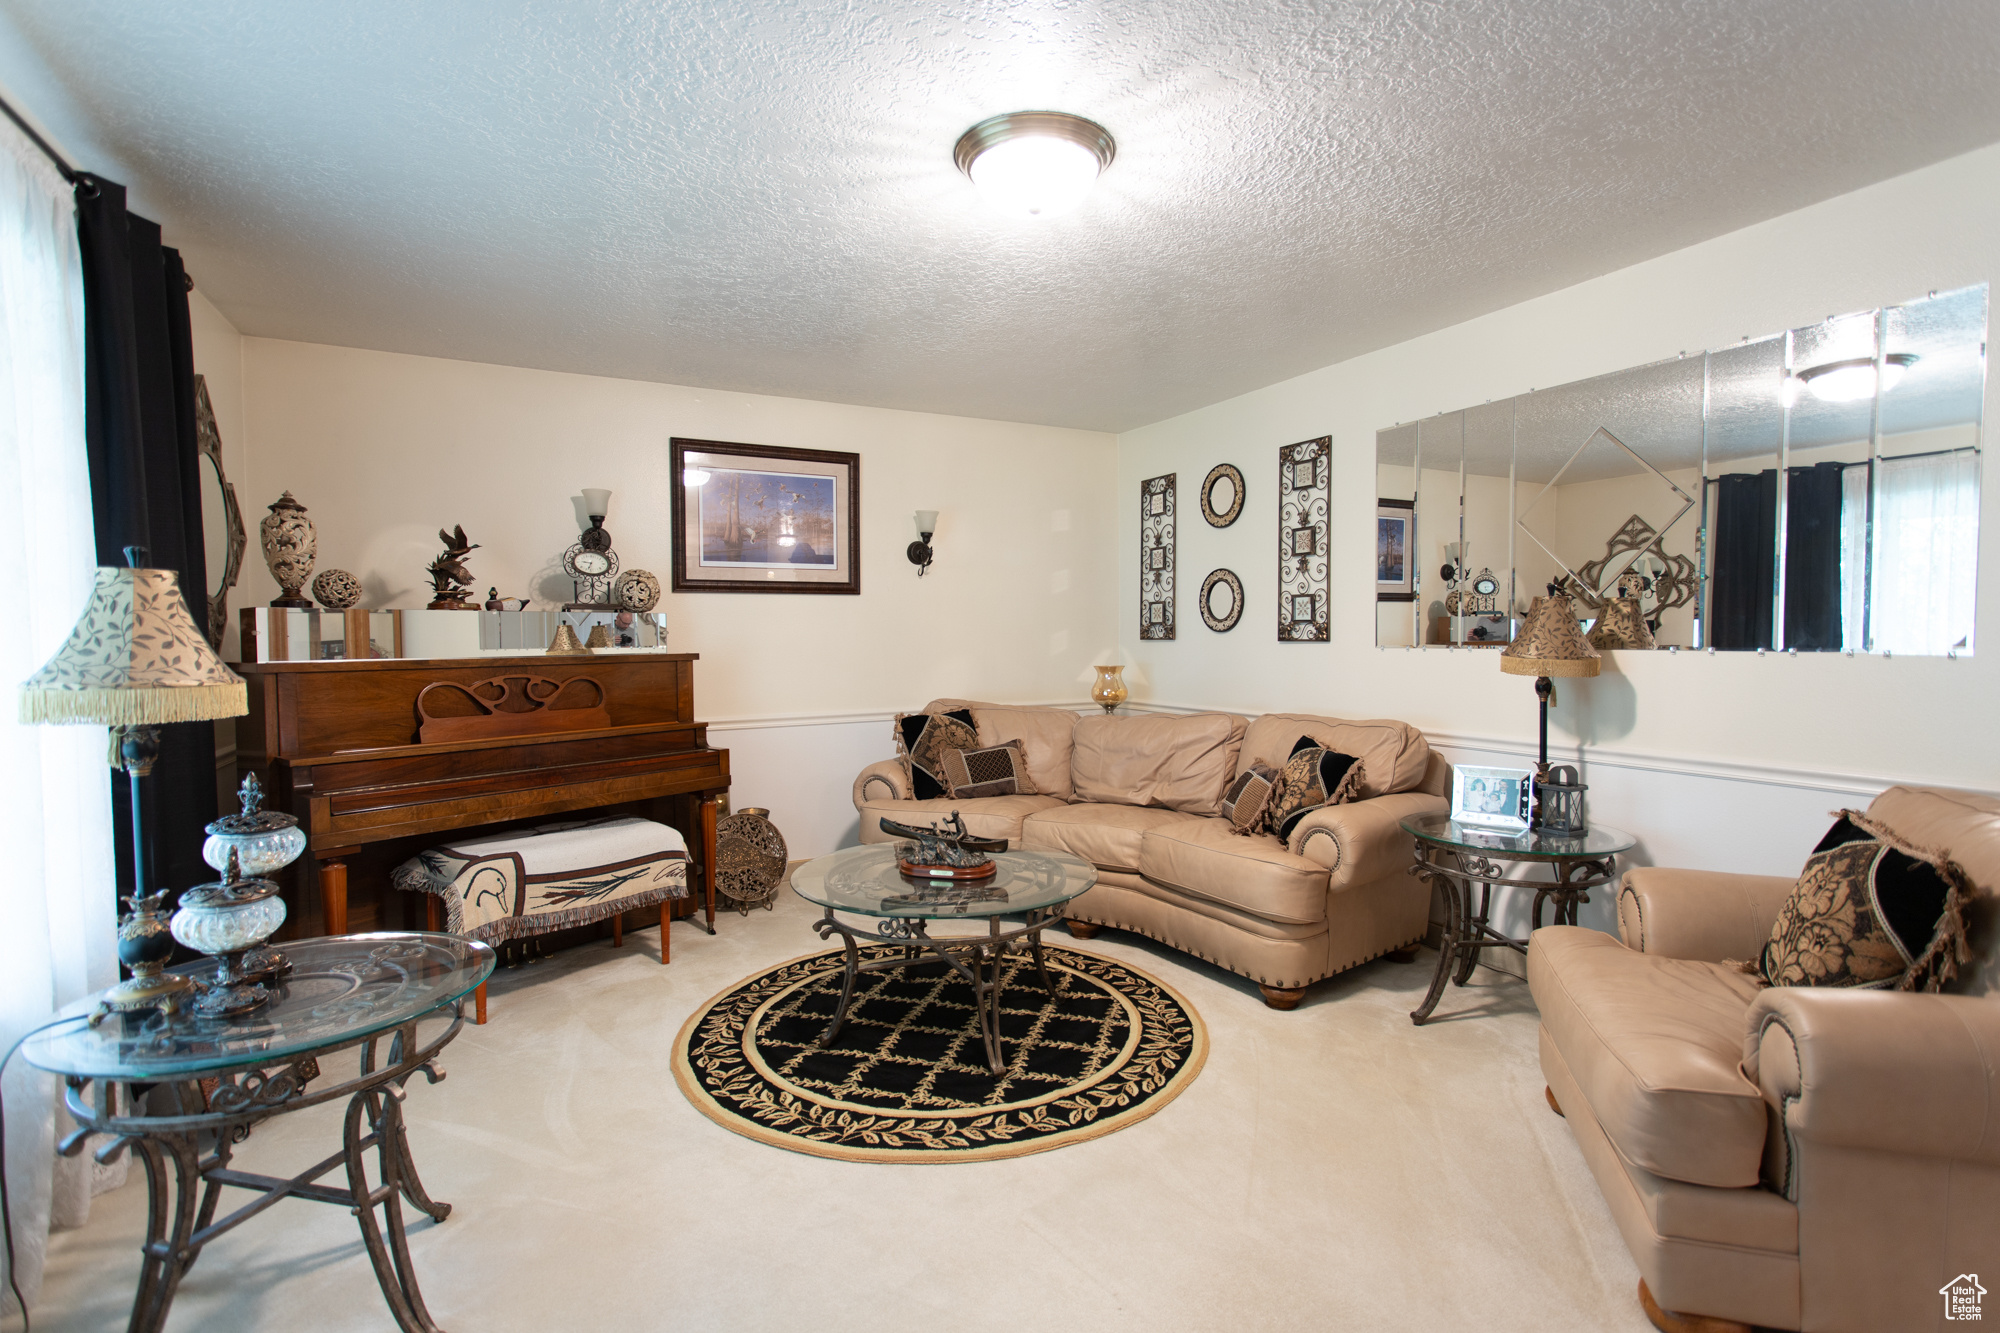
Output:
(381, 758)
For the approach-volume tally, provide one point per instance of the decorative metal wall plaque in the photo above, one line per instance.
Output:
(1156, 557)
(1305, 476)
(1222, 584)
(1229, 477)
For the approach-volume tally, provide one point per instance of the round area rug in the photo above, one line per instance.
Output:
(906, 1080)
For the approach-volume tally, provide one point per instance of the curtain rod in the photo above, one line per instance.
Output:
(69, 174)
(1885, 458)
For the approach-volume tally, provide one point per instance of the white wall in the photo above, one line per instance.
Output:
(384, 449)
(1768, 743)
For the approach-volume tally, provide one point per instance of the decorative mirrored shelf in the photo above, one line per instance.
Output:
(1661, 483)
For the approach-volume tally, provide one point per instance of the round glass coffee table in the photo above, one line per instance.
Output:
(138, 1079)
(864, 882)
(1453, 857)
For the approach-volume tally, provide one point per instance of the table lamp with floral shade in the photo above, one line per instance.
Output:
(1548, 645)
(136, 661)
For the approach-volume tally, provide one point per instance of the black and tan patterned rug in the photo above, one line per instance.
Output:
(906, 1079)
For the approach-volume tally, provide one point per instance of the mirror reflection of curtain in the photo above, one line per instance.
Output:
(1742, 601)
(1926, 552)
(1745, 559)
(1812, 558)
(1854, 558)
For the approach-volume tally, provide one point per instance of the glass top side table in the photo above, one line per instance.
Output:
(1453, 857)
(349, 991)
(864, 881)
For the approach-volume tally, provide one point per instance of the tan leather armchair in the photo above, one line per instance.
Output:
(1790, 1158)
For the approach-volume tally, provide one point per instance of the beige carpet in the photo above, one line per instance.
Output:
(1332, 1168)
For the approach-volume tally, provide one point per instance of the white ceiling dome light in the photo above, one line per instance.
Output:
(1035, 163)
(1852, 380)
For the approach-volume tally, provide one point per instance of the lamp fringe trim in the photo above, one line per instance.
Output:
(134, 707)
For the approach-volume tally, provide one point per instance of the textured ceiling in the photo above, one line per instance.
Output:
(760, 196)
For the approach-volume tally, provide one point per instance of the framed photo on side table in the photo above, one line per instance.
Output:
(1395, 550)
(757, 518)
(1495, 798)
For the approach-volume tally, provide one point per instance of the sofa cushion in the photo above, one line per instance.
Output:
(1044, 734)
(1209, 859)
(1107, 836)
(987, 817)
(1656, 1045)
(1249, 797)
(995, 770)
(1964, 826)
(921, 742)
(1182, 763)
(1393, 755)
(1313, 777)
(1869, 912)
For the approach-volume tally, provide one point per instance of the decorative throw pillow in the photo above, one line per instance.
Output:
(997, 770)
(1870, 912)
(1313, 777)
(922, 740)
(1247, 799)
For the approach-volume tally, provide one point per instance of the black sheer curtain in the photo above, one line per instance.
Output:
(1742, 602)
(1812, 558)
(145, 485)
(1746, 553)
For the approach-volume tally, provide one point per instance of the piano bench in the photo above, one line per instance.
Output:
(532, 881)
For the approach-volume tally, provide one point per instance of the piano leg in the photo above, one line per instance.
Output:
(333, 895)
(708, 805)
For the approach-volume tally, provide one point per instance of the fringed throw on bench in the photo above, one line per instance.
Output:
(532, 881)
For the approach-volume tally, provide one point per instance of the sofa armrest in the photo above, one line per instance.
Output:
(1704, 916)
(1361, 842)
(1882, 1071)
(885, 781)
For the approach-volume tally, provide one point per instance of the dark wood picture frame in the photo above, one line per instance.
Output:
(845, 467)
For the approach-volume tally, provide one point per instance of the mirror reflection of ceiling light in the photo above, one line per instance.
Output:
(1035, 163)
(1852, 380)
(693, 476)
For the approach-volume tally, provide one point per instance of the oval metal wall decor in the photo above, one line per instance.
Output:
(1222, 518)
(1222, 578)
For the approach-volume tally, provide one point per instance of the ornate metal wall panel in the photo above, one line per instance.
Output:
(1156, 557)
(1305, 477)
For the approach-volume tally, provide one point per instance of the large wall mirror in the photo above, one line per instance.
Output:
(1661, 484)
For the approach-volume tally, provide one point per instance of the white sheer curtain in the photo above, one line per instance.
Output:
(1926, 552)
(1853, 556)
(57, 915)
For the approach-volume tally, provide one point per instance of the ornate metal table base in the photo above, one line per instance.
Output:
(1453, 873)
(187, 1156)
(976, 958)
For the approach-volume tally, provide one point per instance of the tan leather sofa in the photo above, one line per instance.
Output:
(1790, 1157)
(1139, 798)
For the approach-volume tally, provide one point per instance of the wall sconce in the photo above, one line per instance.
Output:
(920, 552)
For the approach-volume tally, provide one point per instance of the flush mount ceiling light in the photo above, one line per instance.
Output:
(1854, 379)
(1035, 163)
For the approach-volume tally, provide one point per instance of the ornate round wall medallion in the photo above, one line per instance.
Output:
(638, 590)
(336, 589)
(1218, 475)
(1216, 587)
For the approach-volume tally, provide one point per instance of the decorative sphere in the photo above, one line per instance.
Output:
(638, 590)
(336, 589)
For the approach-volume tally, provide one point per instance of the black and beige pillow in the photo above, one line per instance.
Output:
(1248, 798)
(923, 740)
(1870, 912)
(997, 770)
(1313, 777)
